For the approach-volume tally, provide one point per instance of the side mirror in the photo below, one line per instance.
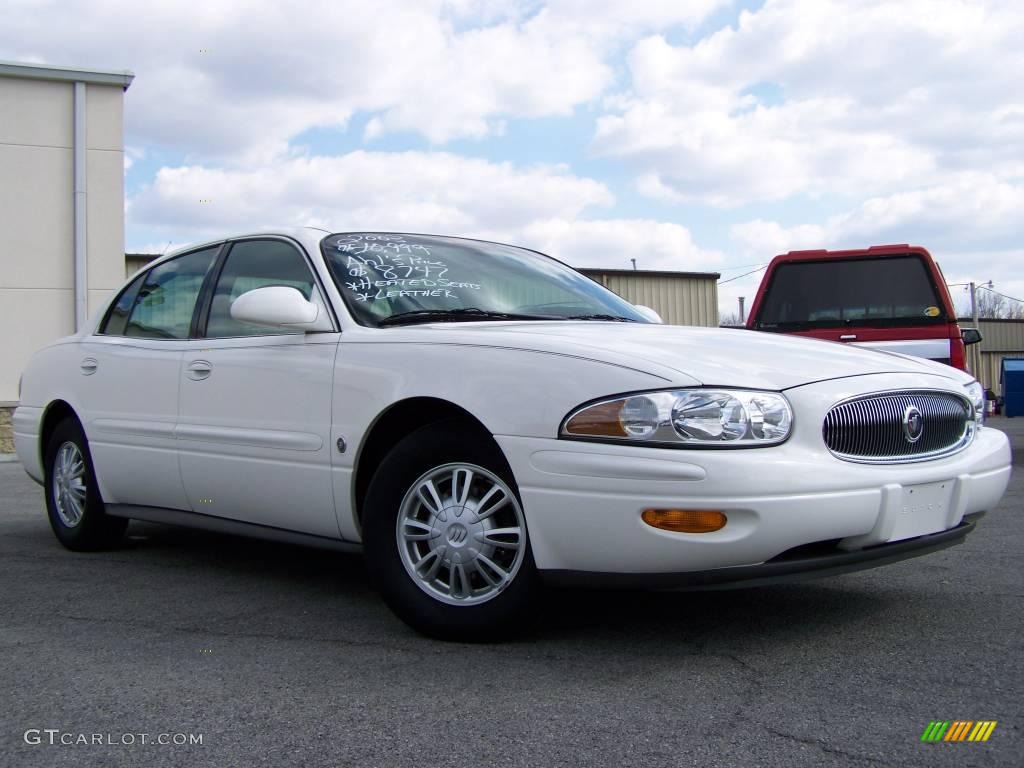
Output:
(279, 305)
(970, 335)
(648, 313)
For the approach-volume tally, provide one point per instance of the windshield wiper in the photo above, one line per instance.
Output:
(457, 314)
(614, 318)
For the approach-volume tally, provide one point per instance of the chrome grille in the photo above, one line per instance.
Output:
(871, 428)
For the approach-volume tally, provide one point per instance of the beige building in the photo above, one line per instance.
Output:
(999, 339)
(681, 298)
(61, 205)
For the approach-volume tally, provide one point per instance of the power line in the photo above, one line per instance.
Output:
(740, 266)
(997, 293)
(763, 266)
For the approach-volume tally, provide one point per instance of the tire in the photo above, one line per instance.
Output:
(73, 501)
(446, 571)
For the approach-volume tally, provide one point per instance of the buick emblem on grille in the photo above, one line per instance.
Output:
(899, 426)
(913, 424)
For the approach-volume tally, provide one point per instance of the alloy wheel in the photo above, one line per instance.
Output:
(68, 484)
(461, 534)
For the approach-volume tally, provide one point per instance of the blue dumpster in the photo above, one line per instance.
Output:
(1011, 381)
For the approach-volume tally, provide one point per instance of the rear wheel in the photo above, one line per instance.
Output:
(445, 536)
(73, 501)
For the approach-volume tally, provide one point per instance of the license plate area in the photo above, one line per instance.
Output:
(923, 509)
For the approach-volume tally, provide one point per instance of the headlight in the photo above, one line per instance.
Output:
(687, 417)
(976, 394)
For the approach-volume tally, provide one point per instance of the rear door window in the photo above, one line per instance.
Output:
(117, 316)
(167, 297)
(838, 293)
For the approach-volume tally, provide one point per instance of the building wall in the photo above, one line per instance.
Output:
(37, 212)
(133, 262)
(1000, 338)
(680, 298)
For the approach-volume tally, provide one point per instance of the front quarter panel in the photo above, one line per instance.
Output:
(510, 391)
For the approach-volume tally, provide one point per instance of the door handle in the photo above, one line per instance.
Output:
(848, 337)
(199, 369)
(89, 366)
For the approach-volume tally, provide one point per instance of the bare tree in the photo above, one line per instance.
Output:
(730, 318)
(994, 305)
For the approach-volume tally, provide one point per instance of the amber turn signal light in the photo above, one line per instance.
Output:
(685, 520)
(599, 421)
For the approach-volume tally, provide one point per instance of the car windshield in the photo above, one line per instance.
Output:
(396, 279)
(841, 293)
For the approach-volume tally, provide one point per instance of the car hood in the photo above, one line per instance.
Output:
(682, 355)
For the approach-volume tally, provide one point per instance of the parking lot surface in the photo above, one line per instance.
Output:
(277, 655)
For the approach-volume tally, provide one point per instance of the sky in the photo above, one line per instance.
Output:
(696, 135)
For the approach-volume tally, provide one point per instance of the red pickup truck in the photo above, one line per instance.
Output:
(887, 297)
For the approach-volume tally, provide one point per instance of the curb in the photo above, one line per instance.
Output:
(6, 458)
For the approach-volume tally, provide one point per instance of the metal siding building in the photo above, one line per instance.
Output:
(681, 298)
(1000, 338)
(133, 262)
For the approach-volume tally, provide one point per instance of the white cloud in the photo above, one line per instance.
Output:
(768, 238)
(966, 211)
(466, 82)
(612, 243)
(417, 191)
(823, 97)
(539, 207)
(609, 20)
(239, 79)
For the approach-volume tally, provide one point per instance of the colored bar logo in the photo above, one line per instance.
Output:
(958, 730)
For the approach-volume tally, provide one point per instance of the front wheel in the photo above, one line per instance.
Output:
(445, 536)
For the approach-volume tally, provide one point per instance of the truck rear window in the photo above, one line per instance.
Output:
(837, 293)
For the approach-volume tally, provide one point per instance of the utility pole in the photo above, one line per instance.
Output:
(974, 304)
(634, 264)
(743, 317)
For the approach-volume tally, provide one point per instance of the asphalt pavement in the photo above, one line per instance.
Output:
(275, 656)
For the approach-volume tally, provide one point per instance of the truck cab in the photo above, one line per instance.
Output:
(886, 297)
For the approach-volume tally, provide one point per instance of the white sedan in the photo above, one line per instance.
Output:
(479, 419)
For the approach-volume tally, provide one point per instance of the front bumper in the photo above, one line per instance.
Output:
(583, 503)
(785, 569)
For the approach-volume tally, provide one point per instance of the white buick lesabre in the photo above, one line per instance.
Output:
(478, 419)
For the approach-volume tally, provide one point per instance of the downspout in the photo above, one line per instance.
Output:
(81, 254)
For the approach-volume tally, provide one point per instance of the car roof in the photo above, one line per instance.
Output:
(298, 233)
(311, 237)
